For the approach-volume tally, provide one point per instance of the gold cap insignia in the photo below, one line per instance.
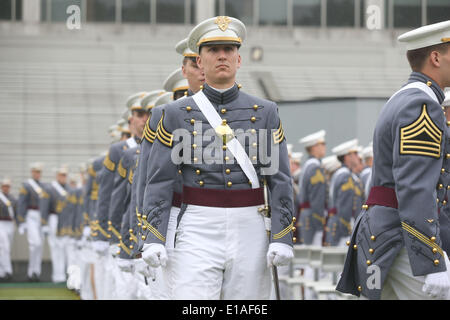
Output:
(222, 22)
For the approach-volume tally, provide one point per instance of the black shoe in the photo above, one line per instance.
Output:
(8, 277)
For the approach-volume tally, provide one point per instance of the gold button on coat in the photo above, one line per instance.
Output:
(227, 171)
(188, 108)
(253, 119)
(229, 183)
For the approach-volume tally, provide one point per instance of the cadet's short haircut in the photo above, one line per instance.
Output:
(193, 59)
(178, 94)
(341, 159)
(139, 111)
(126, 134)
(417, 57)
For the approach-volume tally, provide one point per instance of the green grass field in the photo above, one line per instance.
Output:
(36, 291)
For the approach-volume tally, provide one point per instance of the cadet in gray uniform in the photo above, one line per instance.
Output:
(120, 201)
(8, 206)
(211, 261)
(29, 219)
(444, 184)
(106, 187)
(295, 165)
(395, 250)
(359, 198)
(341, 196)
(54, 209)
(313, 190)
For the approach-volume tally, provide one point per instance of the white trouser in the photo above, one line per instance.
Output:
(125, 285)
(71, 252)
(163, 276)
(56, 252)
(400, 284)
(100, 276)
(88, 257)
(34, 237)
(220, 253)
(144, 291)
(6, 238)
(109, 278)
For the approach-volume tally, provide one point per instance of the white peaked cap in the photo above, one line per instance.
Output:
(36, 166)
(217, 30)
(289, 148)
(426, 36)
(183, 49)
(313, 138)
(367, 152)
(331, 163)
(297, 156)
(176, 81)
(346, 147)
(63, 169)
(148, 101)
(164, 98)
(134, 101)
(6, 182)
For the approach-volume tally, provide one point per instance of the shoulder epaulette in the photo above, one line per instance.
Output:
(149, 135)
(278, 135)
(121, 170)
(422, 137)
(162, 134)
(111, 166)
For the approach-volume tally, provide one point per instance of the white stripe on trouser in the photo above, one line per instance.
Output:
(220, 253)
(56, 250)
(34, 237)
(400, 284)
(6, 237)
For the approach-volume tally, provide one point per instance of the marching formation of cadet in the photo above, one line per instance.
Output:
(199, 196)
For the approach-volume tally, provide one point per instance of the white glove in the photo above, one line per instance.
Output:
(45, 229)
(86, 233)
(22, 228)
(125, 265)
(437, 285)
(143, 268)
(100, 247)
(154, 254)
(279, 254)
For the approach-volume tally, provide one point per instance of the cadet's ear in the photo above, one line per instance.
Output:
(199, 61)
(435, 58)
(239, 61)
